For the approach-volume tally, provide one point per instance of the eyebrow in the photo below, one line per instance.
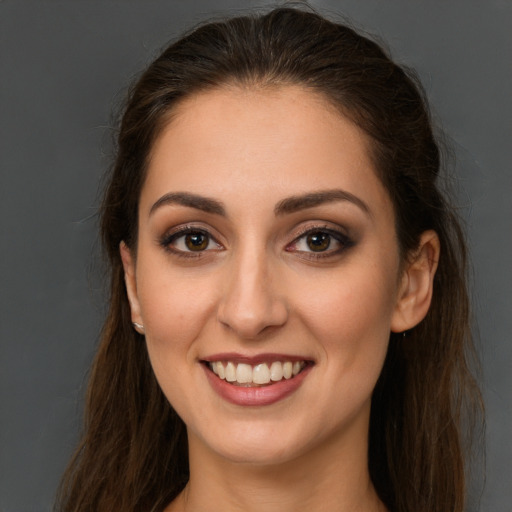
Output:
(205, 204)
(286, 206)
(302, 202)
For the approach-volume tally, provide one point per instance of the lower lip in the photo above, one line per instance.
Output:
(262, 395)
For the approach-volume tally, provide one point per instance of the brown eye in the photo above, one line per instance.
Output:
(318, 241)
(196, 241)
(189, 241)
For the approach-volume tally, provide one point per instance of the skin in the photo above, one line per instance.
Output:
(259, 288)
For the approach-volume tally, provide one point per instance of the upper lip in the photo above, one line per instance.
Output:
(235, 357)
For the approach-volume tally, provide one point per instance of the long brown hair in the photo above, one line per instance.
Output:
(133, 454)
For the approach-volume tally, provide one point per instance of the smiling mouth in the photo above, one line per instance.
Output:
(262, 374)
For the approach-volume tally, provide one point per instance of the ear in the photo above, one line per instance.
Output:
(131, 285)
(417, 282)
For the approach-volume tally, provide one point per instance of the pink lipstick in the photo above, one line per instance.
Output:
(256, 380)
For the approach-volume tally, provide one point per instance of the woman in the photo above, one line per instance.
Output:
(288, 327)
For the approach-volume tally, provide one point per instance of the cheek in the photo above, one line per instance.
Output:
(175, 309)
(350, 316)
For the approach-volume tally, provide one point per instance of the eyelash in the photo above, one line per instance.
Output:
(167, 241)
(343, 240)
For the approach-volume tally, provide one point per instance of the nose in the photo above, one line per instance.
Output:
(251, 304)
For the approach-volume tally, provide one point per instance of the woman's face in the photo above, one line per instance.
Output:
(266, 246)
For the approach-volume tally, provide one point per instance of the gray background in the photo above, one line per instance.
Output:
(63, 64)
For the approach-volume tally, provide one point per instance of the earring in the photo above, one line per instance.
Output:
(138, 326)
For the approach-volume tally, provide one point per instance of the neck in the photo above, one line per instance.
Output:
(333, 479)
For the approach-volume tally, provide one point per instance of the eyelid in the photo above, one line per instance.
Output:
(338, 233)
(180, 231)
(333, 229)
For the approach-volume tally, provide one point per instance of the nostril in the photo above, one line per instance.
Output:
(250, 306)
(252, 324)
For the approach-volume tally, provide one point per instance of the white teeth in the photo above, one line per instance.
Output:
(276, 371)
(261, 374)
(219, 370)
(230, 372)
(287, 370)
(244, 373)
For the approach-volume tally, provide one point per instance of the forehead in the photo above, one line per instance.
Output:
(239, 140)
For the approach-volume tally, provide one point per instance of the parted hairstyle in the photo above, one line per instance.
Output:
(133, 453)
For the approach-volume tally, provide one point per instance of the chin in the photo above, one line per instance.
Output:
(260, 443)
(258, 453)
